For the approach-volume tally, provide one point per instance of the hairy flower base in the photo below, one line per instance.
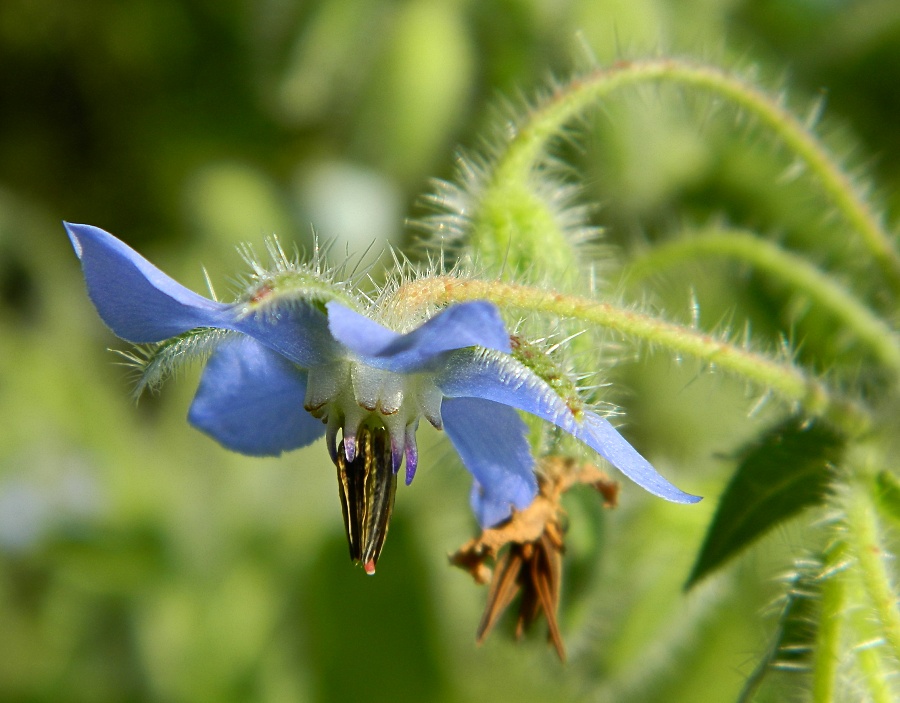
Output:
(527, 550)
(347, 395)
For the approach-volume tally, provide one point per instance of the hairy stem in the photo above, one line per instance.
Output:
(547, 120)
(797, 273)
(867, 546)
(870, 654)
(787, 381)
(830, 627)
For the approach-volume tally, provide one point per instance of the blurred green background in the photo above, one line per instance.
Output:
(140, 561)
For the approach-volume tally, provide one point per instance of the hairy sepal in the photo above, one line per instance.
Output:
(155, 363)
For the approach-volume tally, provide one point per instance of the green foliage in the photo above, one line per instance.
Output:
(790, 467)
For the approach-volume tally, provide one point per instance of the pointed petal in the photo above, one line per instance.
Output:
(502, 379)
(142, 304)
(138, 301)
(459, 326)
(250, 400)
(492, 441)
(603, 438)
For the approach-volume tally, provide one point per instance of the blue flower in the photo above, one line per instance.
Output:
(305, 369)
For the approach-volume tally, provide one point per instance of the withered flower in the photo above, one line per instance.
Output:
(531, 563)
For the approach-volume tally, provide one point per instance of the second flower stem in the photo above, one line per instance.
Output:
(784, 379)
(791, 269)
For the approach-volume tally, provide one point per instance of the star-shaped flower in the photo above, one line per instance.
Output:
(299, 367)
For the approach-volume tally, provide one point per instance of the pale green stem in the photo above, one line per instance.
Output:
(830, 627)
(785, 380)
(863, 535)
(796, 273)
(869, 650)
(874, 672)
(546, 122)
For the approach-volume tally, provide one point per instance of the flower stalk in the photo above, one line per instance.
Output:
(547, 121)
(786, 380)
(794, 271)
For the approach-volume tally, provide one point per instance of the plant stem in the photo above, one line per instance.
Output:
(525, 149)
(830, 627)
(797, 273)
(869, 650)
(788, 381)
(866, 543)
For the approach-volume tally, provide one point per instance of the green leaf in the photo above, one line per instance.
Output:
(789, 468)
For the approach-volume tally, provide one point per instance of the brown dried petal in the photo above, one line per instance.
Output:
(531, 563)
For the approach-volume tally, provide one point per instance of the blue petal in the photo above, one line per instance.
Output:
(603, 438)
(298, 331)
(358, 333)
(138, 301)
(142, 304)
(250, 400)
(492, 441)
(488, 511)
(476, 323)
(502, 379)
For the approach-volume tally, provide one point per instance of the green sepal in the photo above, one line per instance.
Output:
(789, 468)
(284, 280)
(539, 361)
(155, 363)
(521, 232)
(274, 291)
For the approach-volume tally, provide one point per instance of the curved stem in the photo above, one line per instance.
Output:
(527, 146)
(788, 381)
(794, 271)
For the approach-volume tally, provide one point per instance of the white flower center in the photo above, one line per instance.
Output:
(346, 393)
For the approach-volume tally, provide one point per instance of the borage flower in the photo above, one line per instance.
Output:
(300, 363)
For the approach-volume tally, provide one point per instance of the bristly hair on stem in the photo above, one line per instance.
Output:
(516, 198)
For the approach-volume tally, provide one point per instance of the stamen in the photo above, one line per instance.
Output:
(412, 452)
(396, 453)
(366, 484)
(349, 445)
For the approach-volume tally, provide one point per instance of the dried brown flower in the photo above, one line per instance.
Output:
(531, 563)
